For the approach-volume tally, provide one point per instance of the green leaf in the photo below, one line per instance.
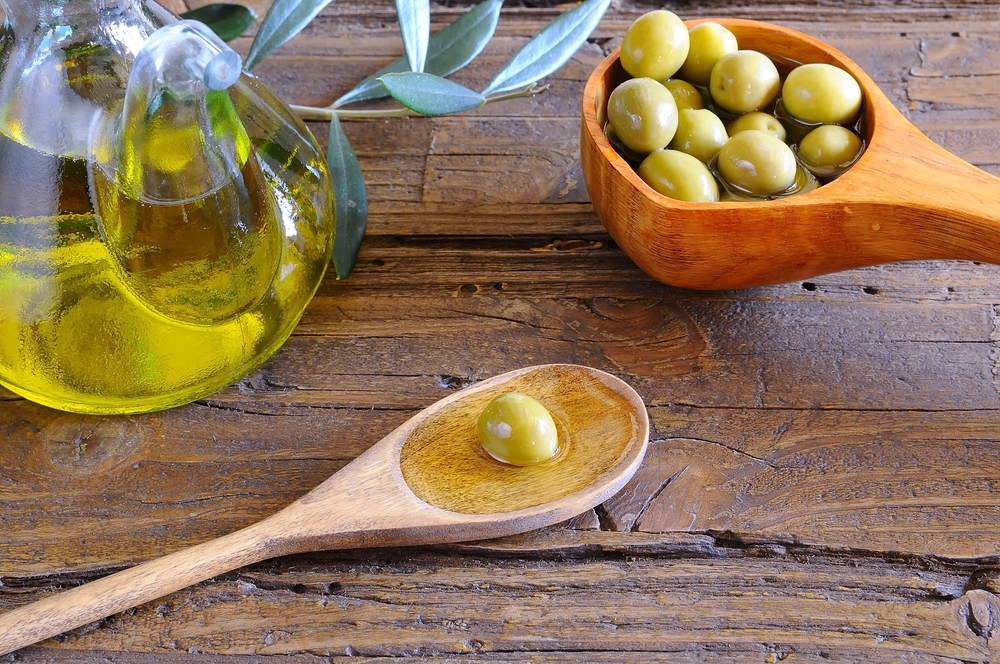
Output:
(351, 201)
(430, 95)
(550, 49)
(448, 50)
(283, 21)
(227, 20)
(415, 26)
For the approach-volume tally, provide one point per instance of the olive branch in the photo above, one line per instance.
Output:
(417, 81)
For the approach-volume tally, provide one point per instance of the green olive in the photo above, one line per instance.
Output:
(655, 45)
(643, 114)
(679, 176)
(744, 81)
(761, 122)
(685, 94)
(758, 163)
(821, 94)
(516, 429)
(700, 133)
(710, 42)
(828, 150)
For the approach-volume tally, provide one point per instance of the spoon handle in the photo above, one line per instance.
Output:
(64, 611)
(332, 515)
(363, 504)
(910, 199)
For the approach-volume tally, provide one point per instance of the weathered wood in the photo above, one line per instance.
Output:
(656, 599)
(831, 444)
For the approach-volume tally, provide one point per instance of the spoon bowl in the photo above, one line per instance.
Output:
(905, 198)
(427, 482)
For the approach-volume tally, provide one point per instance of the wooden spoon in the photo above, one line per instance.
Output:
(905, 199)
(426, 482)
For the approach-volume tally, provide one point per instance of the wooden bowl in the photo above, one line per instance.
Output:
(904, 199)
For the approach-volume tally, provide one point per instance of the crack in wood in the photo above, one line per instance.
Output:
(632, 527)
(240, 410)
(735, 450)
(604, 520)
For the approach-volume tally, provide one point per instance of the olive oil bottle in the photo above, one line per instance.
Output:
(135, 278)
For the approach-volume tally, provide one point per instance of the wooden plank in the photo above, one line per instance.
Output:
(666, 604)
(733, 367)
(772, 475)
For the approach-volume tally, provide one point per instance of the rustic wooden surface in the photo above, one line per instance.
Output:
(823, 481)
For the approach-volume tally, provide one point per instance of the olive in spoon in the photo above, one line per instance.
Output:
(426, 482)
(905, 199)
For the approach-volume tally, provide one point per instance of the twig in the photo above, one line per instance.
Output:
(327, 113)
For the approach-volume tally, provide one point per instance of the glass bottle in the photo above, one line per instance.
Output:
(164, 219)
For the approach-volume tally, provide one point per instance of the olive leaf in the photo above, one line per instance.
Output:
(448, 50)
(283, 21)
(430, 95)
(227, 20)
(551, 48)
(415, 27)
(424, 92)
(350, 200)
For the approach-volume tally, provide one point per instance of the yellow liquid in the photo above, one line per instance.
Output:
(202, 261)
(73, 333)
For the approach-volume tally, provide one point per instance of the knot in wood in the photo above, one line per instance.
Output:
(983, 613)
(88, 444)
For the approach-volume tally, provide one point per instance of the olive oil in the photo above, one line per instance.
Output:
(164, 218)
(75, 334)
(203, 260)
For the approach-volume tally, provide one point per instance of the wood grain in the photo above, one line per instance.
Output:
(821, 480)
(594, 596)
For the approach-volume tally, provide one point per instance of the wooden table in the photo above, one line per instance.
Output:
(823, 479)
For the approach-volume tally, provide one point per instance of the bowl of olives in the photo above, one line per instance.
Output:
(727, 153)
